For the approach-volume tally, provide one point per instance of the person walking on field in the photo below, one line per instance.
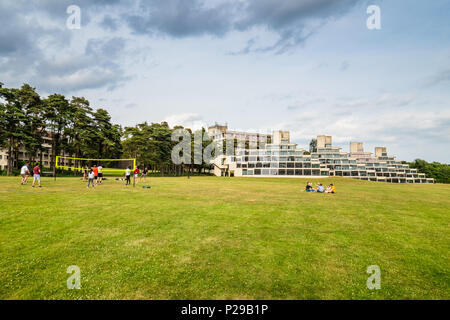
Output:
(25, 173)
(127, 176)
(36, 175)
(91, 179)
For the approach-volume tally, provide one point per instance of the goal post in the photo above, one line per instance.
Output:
(113, 167)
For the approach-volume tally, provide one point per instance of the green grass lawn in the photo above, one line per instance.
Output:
(223, 238)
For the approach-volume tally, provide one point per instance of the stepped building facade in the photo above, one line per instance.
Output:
(273, 155)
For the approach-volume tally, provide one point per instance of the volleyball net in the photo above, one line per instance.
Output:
(110, 167)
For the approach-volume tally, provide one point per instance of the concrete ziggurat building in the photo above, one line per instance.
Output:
(276, 156)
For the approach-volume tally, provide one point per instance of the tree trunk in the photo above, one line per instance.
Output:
(10, 157)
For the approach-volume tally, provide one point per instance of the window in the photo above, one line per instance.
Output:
(282, 172)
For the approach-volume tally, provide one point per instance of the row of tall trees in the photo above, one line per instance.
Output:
(152, 145)
(26, 119)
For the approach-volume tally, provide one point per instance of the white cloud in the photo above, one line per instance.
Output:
(188, 120)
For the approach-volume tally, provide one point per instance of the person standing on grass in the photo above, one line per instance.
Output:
(25, 173)
(36, 175)
(91, 176)
(127, 176)
(100, 174)
(95, 170)
(85, 173)
(136, 174)
(144, 173)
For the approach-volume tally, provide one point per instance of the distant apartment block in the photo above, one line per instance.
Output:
(281, 158)
(21, 155)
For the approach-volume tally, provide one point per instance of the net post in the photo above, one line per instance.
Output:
(134, 175)
(54, 169)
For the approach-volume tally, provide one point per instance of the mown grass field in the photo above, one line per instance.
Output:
(223, 238)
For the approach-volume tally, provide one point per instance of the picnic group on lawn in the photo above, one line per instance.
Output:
(320, 188)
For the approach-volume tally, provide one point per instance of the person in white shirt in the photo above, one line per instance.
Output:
(91, 177)
(25, 173)
(127, 176)
(100, 174)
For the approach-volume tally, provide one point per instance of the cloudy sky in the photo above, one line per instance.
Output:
(308, 66)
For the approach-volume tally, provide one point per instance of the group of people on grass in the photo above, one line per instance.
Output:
(25, 174)
(136, 173)
(320, 188)
(94, 176)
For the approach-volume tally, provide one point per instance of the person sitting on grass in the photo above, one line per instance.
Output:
(91, 177)
(309, 187)
(333, 189)
(320, 188)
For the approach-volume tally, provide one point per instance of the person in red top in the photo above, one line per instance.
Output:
(136, 174)
(95, 170)
(36, 175)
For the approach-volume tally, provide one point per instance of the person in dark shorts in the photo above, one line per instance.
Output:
(100, 174)
(95, 170)
(144, 174)
(128, 176)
